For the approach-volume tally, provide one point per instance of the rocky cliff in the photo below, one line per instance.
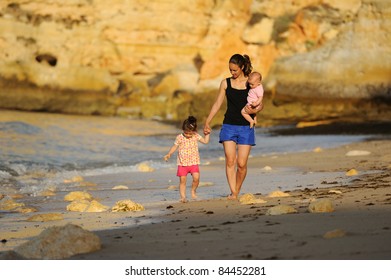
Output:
(321, 59)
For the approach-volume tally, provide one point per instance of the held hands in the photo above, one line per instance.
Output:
(207, 129)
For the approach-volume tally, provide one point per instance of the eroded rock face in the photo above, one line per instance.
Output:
(347, 76)
(105, 57)
(359, 54)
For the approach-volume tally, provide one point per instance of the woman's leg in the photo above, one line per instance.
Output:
(243, 154)
(230, 163)
(182, 188)
(194, 185)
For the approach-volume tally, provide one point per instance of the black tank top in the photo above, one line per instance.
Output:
(236, 100)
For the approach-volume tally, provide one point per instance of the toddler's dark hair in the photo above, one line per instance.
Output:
(190, 124)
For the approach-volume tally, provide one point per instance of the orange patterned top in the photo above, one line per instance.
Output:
(188, 150)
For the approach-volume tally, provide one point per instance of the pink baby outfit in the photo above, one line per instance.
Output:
(254, 94)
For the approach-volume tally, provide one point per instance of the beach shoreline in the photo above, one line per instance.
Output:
(216, 228)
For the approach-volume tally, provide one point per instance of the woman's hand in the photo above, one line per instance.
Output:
(251, 110)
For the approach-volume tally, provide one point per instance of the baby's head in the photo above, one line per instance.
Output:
(254, 79)
(189, 126)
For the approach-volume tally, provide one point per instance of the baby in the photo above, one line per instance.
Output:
(255, 96)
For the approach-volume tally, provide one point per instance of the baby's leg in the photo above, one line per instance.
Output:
(194, 185)
(182, 188)
(247, 117)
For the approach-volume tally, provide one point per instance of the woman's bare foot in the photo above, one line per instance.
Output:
(232, 197)
(183, 200)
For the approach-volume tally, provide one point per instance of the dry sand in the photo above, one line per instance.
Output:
(358, 228)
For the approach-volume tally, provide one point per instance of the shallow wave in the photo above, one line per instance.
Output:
(19, 128)
(41, 150)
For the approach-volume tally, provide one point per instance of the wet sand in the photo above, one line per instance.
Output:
(215, 229)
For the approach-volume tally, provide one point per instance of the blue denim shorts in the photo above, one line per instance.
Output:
(240, 134)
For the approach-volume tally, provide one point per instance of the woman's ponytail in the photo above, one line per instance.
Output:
(243, 61)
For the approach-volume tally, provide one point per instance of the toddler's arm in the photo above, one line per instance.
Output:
(172, 150)
(205, 139)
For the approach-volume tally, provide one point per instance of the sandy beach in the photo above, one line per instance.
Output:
(359, 227)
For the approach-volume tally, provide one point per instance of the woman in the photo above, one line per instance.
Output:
(236, 135)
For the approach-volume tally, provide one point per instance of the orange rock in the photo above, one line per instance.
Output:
(351, 172)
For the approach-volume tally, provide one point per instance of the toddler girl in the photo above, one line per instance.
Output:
(188, 157)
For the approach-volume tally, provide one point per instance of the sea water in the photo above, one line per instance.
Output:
(40, 150)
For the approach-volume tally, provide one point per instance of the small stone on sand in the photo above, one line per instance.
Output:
(120, 187)
(351, 172)
(278, 194)
(357, 153)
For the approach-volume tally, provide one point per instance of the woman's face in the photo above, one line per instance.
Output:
(235, 70)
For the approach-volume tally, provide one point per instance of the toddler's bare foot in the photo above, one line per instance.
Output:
(252, 124)
(194, 195)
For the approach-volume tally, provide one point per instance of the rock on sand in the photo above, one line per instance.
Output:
(60, 243)
(352, 172)
(127, 205)
(78, 195)
(120, 187)
(144, 167)
(278, 194)
(357, 153)
(86, 206)
(280, 210)
(322, 205)
(46, 217)
(249, 198)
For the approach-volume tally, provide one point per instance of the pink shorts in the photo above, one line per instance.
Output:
(184, 170)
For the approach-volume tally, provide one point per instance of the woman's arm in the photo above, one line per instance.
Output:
(250, 110)
(216, 106)
(257, 103)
